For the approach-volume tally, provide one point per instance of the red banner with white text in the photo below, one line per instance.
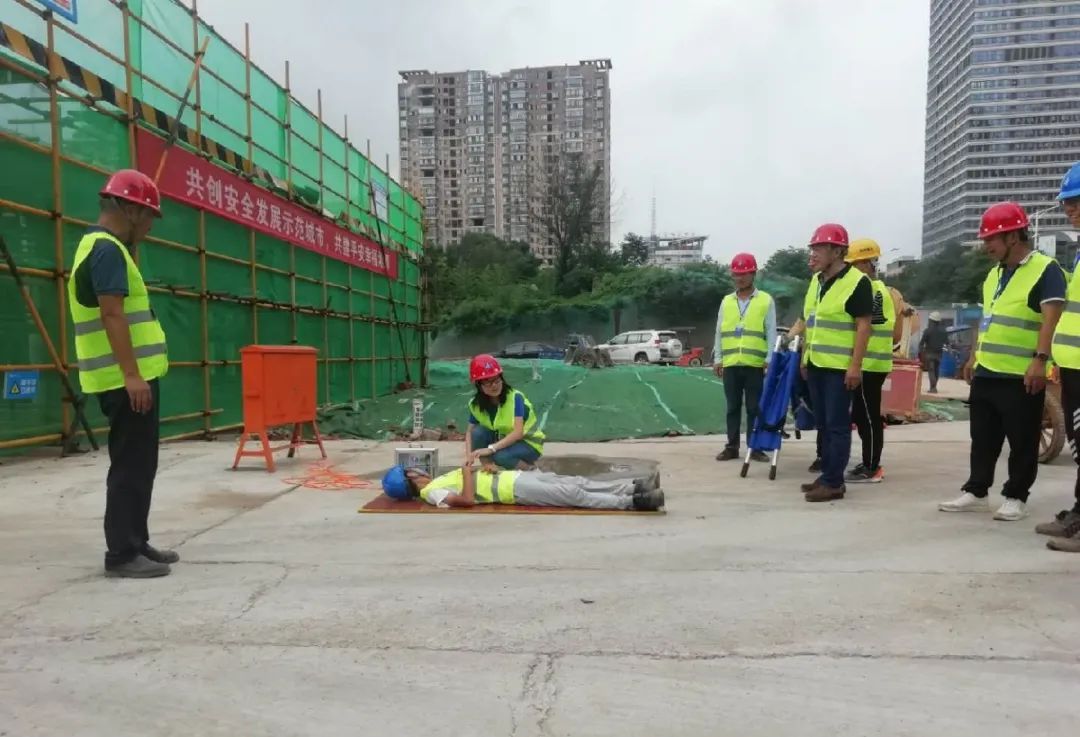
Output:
(197, 182)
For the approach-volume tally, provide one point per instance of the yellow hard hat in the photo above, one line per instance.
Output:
(863, 249)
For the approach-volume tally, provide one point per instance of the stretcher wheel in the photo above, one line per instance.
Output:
(798, 434)
(772, 473)
(745, 470)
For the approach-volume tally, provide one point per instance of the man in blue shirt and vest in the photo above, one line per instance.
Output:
(121, 355)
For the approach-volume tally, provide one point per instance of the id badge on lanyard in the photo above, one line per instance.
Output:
(742, 316)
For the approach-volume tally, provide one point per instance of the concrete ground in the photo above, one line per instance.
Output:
(744, 611)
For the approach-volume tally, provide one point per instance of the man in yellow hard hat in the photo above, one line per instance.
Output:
(885, 331)
(122, 353)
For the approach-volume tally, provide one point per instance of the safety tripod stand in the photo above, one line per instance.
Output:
(77, 400)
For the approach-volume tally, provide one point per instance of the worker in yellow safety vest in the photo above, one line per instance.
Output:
(885, 332)
(504, 430)
(1022, 297)
(467, 487)
(121, 355)
(744, 343)
(1064, 529)
(837, 310)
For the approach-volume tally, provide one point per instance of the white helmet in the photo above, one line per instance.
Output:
(935, 316)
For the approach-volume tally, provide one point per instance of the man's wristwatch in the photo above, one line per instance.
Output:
(492, 448)
(1041, 356)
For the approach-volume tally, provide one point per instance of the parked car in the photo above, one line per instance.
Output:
(644, 346)
(530, 349)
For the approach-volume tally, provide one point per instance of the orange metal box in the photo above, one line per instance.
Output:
(279, 387)
(902, 389)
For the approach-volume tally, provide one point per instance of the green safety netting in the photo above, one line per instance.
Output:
(574, 404)
(92, 143)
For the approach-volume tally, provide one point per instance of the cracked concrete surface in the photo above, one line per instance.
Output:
(743, 611)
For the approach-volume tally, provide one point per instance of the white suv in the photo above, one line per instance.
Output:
(644, 346)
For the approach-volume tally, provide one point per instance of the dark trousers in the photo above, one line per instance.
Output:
(1000, 409)
(866, 414)
(133, 460)
(933, 369)
(832, 414)
(742, 383)
(1070, 398)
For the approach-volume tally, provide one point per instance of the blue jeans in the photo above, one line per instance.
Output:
(832, 414)
(504, 457)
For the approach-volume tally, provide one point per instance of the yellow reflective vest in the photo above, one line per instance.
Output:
(99, 371)
(1066, 347)
(830, 330)
(1009, 331)
(491, 488)
(503, 424)
(879, 349)
(742, 335)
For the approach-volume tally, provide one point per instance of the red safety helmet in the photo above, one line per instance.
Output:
(483, 367)
(133, 186)
(830, 233)
(1002, 218)
(743, 263)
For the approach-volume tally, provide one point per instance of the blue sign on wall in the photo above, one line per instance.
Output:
(20, 384)
(64, 8)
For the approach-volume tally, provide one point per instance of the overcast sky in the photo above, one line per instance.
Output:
(753, 120)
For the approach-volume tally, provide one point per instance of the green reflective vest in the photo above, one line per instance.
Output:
(879, 352)
(491, 488)
(1066, 347)
(830, 330)
(742, 336)
(503, 424)
(99, 371)
(1009, 331)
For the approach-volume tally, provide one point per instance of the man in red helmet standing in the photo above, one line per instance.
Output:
(744, 343)
(122, 353)
(838, 308)
(1023, 298)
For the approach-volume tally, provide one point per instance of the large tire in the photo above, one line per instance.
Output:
(1052, 439)
(641, 358)
(695, 362)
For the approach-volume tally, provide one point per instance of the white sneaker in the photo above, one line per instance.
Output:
(966, 502)
(1011, 511)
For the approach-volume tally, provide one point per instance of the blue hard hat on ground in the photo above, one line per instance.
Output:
(394, 483)
(1070, 183)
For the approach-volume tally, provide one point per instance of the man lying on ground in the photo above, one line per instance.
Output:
(467, 487)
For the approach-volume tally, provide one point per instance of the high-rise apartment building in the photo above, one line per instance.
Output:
(1002, 113)
(477, 148)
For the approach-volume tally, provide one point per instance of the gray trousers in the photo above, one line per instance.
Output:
(552, 490)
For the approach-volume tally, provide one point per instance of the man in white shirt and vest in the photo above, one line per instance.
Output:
(744, 343)
(1023, 297)
(121, 355)
(1064, 529)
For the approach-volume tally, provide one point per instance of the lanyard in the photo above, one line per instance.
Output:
(742, 310)
(1003, 281)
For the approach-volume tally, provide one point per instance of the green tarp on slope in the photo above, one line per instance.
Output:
(574, 404)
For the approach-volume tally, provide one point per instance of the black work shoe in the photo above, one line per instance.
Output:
(138, 567)
(160, 556)
(727, 454)
(760, 455)
(648, 501)
(825, 493)
(815, 467)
